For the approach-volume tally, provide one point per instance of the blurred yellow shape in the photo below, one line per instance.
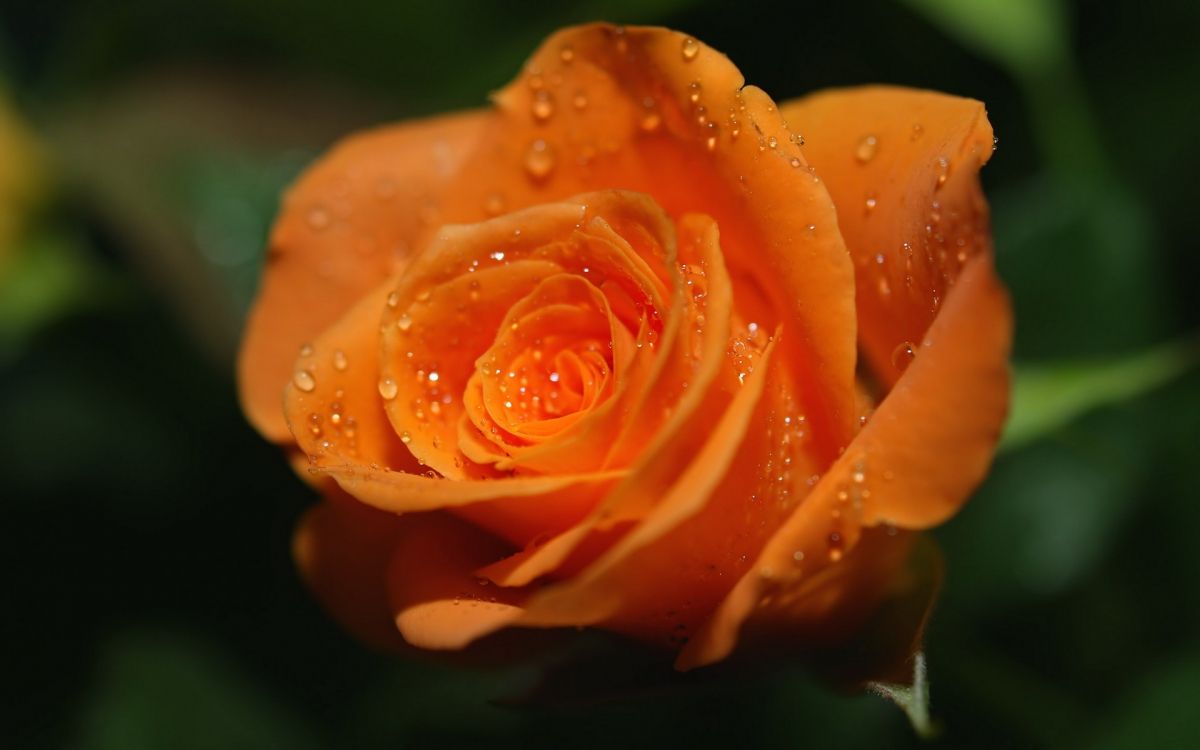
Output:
(22, 177)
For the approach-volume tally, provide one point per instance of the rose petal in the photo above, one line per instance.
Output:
(830, 609)
(926, 447)
(902, 166)
(342, 549)
(346, 225)
(438, 600)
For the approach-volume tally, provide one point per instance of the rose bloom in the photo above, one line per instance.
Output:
(634, 348)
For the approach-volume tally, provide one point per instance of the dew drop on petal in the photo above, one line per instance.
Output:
(836, 546)
(539, 160)
(318, 218)
(339, 361)
(404, 322)
(303, 379)
(543, 106)
(943, 170)
(493, 205)
(903, 355)
(691, 48)
(388, 389)
(866, 149)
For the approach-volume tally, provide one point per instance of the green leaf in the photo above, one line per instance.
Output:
(50, 276)
(913, 699)
(158, 690)
(1047, 397)
(1022, 35)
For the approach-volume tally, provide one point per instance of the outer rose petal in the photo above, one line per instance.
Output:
(926, 447)
(349, 223)
(902, 166)
(343, 549)
(602, 107)
(439, 602)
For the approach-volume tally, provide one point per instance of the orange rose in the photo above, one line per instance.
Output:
(588, 356)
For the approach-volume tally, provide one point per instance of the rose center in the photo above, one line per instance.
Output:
(555, 359)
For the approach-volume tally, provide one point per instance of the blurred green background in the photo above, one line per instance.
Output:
(147, 581)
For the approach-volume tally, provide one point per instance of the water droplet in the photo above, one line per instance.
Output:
(798, 555)
(303, 379)
(405, 437)
(903, 355)
(694, 92)
(772, 142)
(621, 42)
(566, 54)
(580, 100)
(543, 106)
(870, 204)
(388, 389)
(434, 377)
(795, 162)
(691, 48)
(650, 122)
(339, 361)
(393, 299)
(866, 149)
(404, 322)
(493, 205)
(539, 160)
(306, 350)
(917, 131)
(836, 546)
(318, 218)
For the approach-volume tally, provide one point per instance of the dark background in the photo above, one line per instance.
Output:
(148, 595)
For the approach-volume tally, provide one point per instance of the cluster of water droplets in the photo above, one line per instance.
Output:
(746, 346)
(334, 425)
(924, 267)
